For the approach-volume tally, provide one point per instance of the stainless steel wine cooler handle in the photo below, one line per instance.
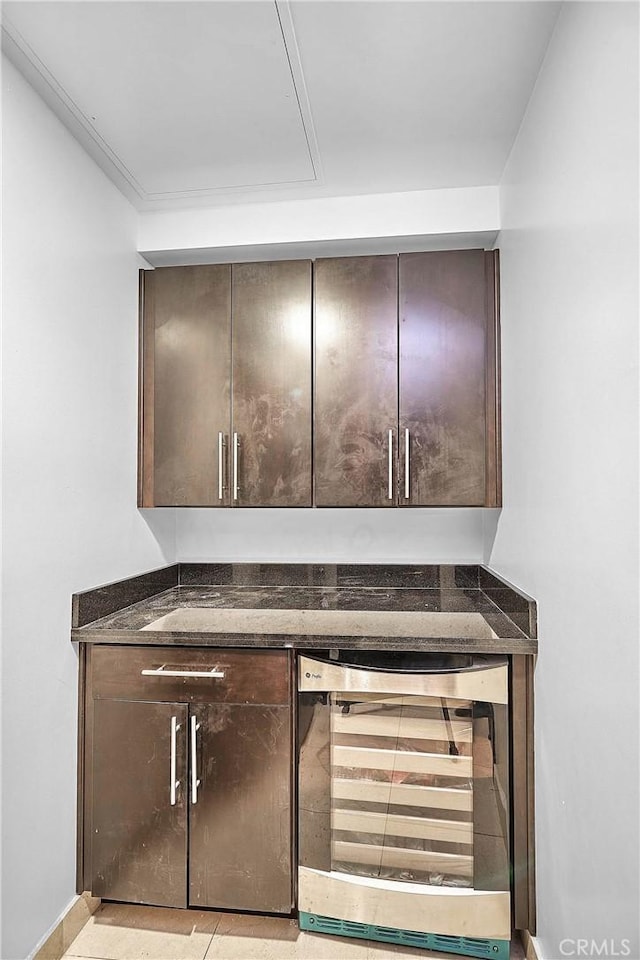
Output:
(195, 783)
(390, 464)
(407, 468)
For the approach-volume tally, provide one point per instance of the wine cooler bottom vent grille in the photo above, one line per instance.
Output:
(467, 946)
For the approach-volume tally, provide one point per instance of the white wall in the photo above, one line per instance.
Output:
(69, 451)
(326, 535)
(324, 221)
(569, 529)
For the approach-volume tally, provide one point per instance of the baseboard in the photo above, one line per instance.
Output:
(531, 946)
(66, 928)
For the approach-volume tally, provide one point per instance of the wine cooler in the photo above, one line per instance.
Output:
(403, 799)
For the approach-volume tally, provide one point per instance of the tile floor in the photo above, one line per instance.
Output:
(126, 932)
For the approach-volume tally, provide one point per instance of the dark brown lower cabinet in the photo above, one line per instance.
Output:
(523, 793)
(139, 836)
(188, 803)
(240, 824)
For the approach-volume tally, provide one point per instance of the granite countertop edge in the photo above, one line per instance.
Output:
(500, 645)
(125, 612)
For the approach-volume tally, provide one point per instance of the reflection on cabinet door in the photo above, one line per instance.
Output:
(447, 379)
(240, 810)
(271, 442)
(356, 386)
(186, 366)
(139, 809)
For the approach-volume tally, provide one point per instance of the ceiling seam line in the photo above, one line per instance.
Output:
(312, 158)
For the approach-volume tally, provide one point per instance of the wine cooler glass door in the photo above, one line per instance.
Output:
(402, 788)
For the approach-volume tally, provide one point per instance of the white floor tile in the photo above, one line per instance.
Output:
(127, 932)
(275, 938)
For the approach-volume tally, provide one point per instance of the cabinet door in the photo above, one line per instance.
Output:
(356, 381)
(272, 384)
(139, 811)
(240, 822)
(185, 402)
(447, 380)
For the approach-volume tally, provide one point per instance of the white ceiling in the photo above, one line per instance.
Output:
(201, 103)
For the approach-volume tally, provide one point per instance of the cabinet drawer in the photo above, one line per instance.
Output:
(235, 676)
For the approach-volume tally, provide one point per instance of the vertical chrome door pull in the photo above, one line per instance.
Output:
(220, 465)
(235, 466)
(174, 784)
(195, 783)
(407, 457)
(390, 464)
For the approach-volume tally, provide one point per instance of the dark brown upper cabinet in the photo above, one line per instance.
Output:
(225, 400)
(448, 414)
(356, 381)
(271, 430)
(406, 380)
(186, 382)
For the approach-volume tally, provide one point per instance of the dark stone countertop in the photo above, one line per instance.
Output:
(311, 606)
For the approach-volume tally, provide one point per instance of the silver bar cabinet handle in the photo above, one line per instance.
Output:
(161, 672)
(390, 464)
(235, 466)
(195, 783)
(407, 458)
(220, 465)
(174, 784)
